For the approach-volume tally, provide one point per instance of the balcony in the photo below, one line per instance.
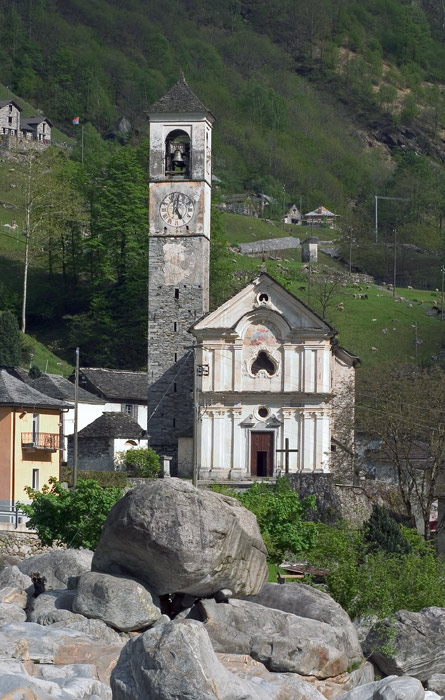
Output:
(47, 442)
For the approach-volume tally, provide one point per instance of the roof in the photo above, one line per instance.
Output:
(321, 211)
(59, 387)
(14, 392)
(180, 98)
(116, 384)
(31, 122)
(311, 239)
(3, 103)
(113, 424)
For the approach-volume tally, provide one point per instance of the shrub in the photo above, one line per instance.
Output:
(381, 532)
(72, 517)
(143, 462)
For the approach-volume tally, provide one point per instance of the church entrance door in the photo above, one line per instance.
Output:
(261, 454)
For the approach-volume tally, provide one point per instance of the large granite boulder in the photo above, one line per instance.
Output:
(390, 688)
(192, 671)
(281, 641)
(436, 683)
(58, 566)
(10, 612)
(409, 643)
(48, 602)
(176, 538)
(12, 576)
(306, 601)
(120, 602)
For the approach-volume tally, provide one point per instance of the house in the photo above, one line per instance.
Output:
(36, 129)
(320, 216)
(101, 442)
(121, 390)
(9, 118)
(90, 406)
(268, 369)
(293, 216)
(30, 438)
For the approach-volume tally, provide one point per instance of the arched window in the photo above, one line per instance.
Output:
(263, 362)
(177, 154)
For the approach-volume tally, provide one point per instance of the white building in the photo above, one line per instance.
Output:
(268, 369)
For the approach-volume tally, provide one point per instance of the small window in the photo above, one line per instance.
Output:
(35, 426)
(175, 326)
(176, 356)
(263, 412)
(263, 362)
(263, 297)
(174, 422)
(175, 387)
(36, 479)
(130, 409)
(176, 293)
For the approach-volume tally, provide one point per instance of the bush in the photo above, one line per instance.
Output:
(73, 517)
(143, 462)
(381, 532)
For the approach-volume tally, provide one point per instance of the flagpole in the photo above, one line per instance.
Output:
(82, 144)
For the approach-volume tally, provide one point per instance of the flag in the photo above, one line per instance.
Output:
(76, 120)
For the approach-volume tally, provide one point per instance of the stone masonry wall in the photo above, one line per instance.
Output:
(20, 545)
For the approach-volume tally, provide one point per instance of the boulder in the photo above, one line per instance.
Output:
(281, 641)
(12, 576)
(176, 538)
(192, 671)
(436, 683)
(14, 594)
(9, 612)
(58, 566)
(49, 602)
(409, 643)
(334, 687)
(390, 688)
(93, 628)
(311, 603)
(120, 602)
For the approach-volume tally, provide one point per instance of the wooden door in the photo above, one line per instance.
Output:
(261, 454)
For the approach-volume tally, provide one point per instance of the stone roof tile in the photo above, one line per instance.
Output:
(118, 384)
(14, 392)
(61, 388)
(180, 98)
(113, 424)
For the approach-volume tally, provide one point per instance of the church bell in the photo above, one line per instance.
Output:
(178, 160)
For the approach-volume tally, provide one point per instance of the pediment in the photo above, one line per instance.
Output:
(262, 300)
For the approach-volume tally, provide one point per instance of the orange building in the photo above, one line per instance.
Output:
(30, 438)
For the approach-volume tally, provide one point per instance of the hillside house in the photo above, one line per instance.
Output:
(9, 118)
(121, 390)
(246, 204)
(30, 438)
(294, 216)
(101, 442)
(90, 406)
(320, 216)
(36, 129)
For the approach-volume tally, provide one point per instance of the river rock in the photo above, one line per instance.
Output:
(119, 602)
(281, 641)
(415, 641)
(12, 576)
(48, 602)
(192, 671)
(390, 688)
(306, 601)
(93, 628)
(436, 683)
(14, 594)
(334, 687)
(177, 538)
(58, 565)
(9, 612)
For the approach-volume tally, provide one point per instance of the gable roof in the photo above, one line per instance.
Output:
(321, 211)
(280, 301)
(3, 103)
(180, 98)
(59, 387)
(14, 392)
(115, 384)
(113, 424)
(32, 122)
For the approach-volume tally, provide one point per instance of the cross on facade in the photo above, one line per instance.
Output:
(286, 451)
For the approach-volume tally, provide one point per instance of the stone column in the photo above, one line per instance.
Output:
(308, 441)
(205, 444)
(309, 370)
(219, 470)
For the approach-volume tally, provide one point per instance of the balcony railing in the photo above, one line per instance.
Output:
(50, 442)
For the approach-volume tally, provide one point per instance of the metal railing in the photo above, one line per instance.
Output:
(41, 441)
(15, 516)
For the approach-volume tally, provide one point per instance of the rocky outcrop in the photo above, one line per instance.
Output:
(120, 602)
(409, 643)
(58, 566)
(176, 538)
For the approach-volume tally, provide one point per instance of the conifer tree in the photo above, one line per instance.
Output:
(9, 339)
(382, 532)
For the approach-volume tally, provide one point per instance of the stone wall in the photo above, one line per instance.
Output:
(346, 502)
(20, 546)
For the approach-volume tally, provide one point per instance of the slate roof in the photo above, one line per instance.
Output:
(59, 387)
(3, 103)
(14, 392)
(32, 122)
(180, 98)
(115, 384)
(113, 424)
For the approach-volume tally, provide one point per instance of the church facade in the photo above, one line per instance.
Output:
(249, 389)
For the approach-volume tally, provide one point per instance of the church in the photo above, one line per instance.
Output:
(248, 389)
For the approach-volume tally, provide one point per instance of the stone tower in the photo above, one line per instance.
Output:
(179, 247)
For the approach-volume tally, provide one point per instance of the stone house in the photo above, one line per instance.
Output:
(90, 406)
(15, 131)
(101, 442)
(36, 129)
(30, 438)
(268, 370)
(120, 390)
(9, 118)
(293, 216)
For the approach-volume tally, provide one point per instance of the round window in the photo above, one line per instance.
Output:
(263, 297)
(263, 412)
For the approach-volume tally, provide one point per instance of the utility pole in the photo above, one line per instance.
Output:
(76, 415)
(376, 198)
(442, 271)
(394, 265)
(350, 249)
(284, 205)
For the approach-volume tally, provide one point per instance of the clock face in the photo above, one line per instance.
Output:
(176, 209)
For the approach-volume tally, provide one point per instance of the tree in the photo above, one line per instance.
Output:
(72, 517)
(10, 339)
(403, 408)
(143, 462)
(280, 515)
(324, 284)
(381, 532)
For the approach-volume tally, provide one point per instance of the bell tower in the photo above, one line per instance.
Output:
(178, 258)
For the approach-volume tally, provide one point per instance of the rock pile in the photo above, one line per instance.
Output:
(173, 605)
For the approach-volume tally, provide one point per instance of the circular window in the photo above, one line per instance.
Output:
(263, 412)
(263, 297)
